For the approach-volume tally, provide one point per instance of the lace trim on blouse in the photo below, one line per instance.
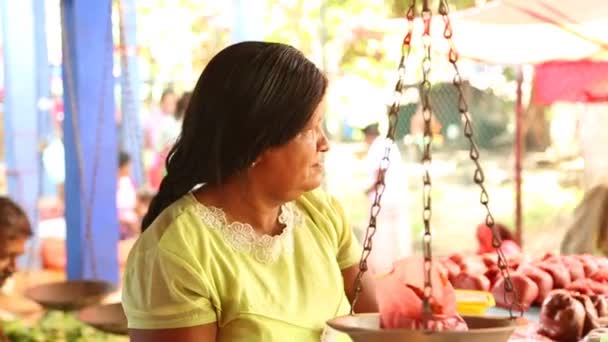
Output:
(243, 238)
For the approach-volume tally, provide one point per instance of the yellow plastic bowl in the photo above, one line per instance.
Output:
(471, 303)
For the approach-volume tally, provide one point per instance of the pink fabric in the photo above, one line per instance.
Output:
(400, 295)
(484, 239)
(126, 202)
(157, 171)
(570, 81)
(510, 247)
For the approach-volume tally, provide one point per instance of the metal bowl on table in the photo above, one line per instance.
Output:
(109, 318)
(70, 295)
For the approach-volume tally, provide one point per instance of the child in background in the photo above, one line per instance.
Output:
(126, 198)
(144, 198)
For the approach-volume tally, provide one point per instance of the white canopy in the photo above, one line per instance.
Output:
(520, 31)
(532, 31)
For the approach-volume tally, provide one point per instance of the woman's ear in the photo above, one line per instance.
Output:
(264, 155)
(256, 161)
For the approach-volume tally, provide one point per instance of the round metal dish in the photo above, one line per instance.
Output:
(366, 328)
(108, 318)
(70, 295)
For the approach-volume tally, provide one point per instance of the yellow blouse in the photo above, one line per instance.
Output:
(190, 268)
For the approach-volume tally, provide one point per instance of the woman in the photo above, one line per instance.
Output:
(238, 245)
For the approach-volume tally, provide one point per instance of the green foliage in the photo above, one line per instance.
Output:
(58, 327)
(344, 27)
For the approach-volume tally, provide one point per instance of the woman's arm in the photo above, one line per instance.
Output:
(367, 299)
(200, 333)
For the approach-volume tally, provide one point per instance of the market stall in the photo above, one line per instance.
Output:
(560, 297)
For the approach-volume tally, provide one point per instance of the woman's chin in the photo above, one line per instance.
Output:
(313, 183)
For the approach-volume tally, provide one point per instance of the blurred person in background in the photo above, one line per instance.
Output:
(588, 228)
(126, 198)
(161, 123)
(15, 230)
(393, 222)
(182, 104)
(144, 198)
(162, 130)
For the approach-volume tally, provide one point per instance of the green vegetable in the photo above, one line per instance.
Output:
(56, 326)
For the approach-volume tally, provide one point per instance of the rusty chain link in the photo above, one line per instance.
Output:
(427, 114)
(510, 295)
(393, 117)
(479, 178)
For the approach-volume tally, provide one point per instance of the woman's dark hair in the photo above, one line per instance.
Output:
(250, 97)
(182, 104)
(13, 220)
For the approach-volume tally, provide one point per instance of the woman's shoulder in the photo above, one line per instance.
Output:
(323, 209)
(175, 229)
(317, 201)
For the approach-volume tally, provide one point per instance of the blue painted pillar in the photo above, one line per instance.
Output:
(90, 138)
(20, 104)
(131, 129)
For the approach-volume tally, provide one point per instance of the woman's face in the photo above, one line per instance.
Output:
(10, 250)
(296, 167)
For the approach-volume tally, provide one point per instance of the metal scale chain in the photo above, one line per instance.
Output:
(69, 75)
(510, 293)
(425, 92)
(393, 116)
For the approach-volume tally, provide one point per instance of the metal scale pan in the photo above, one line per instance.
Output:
(109, 318)
(70, 295)
(366, 328)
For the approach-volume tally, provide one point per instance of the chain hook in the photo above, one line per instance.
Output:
(393, 118)
(511, 297)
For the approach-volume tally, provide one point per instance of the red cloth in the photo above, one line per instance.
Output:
(484, 238)
(571, 81)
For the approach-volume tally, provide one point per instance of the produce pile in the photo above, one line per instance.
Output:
(569, 316)
(571, 290)
(533, 279)
(57, 327)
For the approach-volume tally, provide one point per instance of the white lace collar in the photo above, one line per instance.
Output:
(243, 238)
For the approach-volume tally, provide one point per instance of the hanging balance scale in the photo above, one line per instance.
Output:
(367, 327)
(83, 296)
